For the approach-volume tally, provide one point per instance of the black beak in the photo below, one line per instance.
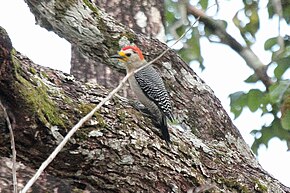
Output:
(117, 56)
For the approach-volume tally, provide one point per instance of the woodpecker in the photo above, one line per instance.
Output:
(148, 87)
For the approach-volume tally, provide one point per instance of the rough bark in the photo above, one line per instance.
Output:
(46, 182)
(119, 150)
(142, 16)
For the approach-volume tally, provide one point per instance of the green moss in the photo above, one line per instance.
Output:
(39, 102)
(67, 100)
(85, 108)
(16, 63)
(260, 187)
(62, 6)
(43, 74)
(121, 116)
(82, 134)
(111, 42)
(32, 70)
(36, 98)
(232, 183)
(101, 121)
(91, 6)
(13, 52)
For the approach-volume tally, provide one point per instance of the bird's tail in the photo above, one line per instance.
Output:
(164, 129)
(161, 123)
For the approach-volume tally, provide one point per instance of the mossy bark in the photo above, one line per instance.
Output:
(119, 150)
(143, 16)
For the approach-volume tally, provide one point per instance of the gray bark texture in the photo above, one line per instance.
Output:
(142, 16)
(118, 150)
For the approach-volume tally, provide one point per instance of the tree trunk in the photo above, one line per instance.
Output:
(119, 150)
(142, 16)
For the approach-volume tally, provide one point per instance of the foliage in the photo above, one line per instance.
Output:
(274, 100)
(175, 19)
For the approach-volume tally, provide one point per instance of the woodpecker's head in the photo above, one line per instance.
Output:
(131, 56)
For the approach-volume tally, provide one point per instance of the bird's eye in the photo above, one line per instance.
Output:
(128, 54)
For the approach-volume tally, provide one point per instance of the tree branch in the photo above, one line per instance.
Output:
(246, 53)
(9, 125)
(83, 120)
(119, 150)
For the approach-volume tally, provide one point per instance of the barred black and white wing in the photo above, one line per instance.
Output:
(153, 87)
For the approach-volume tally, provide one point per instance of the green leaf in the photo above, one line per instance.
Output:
(263, 136)
(285, 111)
(277, 91)
(286, 12)
(180, 30)
(283, 65)
(238, 102)
(170, 17)
(263, 139)
(203, 4)
(270, 9)
(252, 79)
(236, 20)
(285, 120)
(269, 43)
(191, 50)
(255, 97)
(285, 9)
(254, 22)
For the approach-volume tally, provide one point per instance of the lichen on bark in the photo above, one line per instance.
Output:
(118, 155)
